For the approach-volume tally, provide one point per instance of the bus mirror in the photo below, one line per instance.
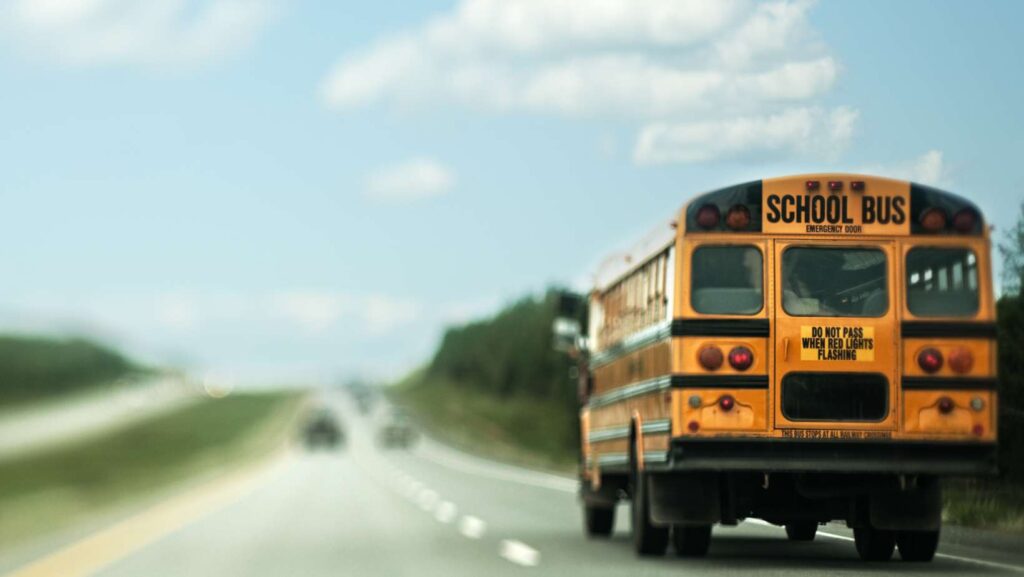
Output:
(566, 333)
(569, 305)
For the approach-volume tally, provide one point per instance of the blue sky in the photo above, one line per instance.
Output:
(288, 190)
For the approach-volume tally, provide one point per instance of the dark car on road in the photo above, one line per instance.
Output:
(322, 429)
(397, 433)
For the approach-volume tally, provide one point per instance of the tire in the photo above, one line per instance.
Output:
(648, 540)
(801, 530)
(691, 540)
(598, 521)
(917, 546)
(874, 544)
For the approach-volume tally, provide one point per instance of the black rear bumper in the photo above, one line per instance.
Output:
(795, 455)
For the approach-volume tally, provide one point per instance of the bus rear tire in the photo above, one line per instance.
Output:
(648, 540)
(691, 540)
(874, 544)
(917, 546)
(598, 521)
(801, 530)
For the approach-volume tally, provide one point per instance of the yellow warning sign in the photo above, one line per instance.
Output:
(825, 343)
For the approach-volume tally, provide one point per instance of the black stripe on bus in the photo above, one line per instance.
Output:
(950, 383)
(720, 381)
(948, 329)
(721, 328)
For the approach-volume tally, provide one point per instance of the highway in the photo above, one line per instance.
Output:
(434, 511)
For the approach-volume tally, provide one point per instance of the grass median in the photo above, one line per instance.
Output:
(520, 430)
(48, 489)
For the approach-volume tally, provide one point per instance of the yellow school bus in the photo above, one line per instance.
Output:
(800, 350)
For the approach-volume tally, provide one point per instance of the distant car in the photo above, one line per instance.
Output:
(397, 433)
(323, 430)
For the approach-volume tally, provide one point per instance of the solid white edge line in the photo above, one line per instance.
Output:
(992, 564)
(519, 553)
(504, 473)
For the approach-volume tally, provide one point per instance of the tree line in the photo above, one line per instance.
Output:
(33, 367)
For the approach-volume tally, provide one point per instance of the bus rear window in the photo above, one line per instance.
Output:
(727, 280)
(834, 282)
(942, 282)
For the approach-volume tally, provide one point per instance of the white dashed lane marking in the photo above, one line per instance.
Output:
(427, 499)
(445, 512)
(471, 527)
(519, 553)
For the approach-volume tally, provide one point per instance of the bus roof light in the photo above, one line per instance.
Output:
(933, 219)
(930, 360)
(857, 186)
(812, 185)
(965, 221)
(708, 216)
(738, 217)
(835, 185)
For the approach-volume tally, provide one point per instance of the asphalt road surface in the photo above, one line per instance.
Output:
(435, 511)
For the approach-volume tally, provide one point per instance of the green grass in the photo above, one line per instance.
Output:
(45, 490)
(988, 504)
(523, 430)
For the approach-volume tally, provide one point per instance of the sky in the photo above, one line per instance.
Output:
(290, 191)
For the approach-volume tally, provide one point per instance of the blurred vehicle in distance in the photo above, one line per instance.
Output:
(364, 398)
(322, 429)
(397, 432)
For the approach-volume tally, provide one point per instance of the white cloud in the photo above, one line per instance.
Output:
(313, 311)
(384, 314)
(153, 33)
(664, 62)
(929, 168)
(808, 132)
(411, 180)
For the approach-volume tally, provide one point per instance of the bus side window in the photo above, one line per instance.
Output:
(942, 282)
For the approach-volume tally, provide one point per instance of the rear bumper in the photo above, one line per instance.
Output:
(791, 455)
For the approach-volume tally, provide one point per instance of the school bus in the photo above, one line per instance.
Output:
(799, 350)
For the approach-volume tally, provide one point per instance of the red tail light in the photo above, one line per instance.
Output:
(738, 217)
(726, 403)
(933, 219)
(961, 360)
(741, 358)
(710, 357)
(930, 360)
(946, 405)
(964, 221)
(978, 430)
(708, 216)
(694, 426)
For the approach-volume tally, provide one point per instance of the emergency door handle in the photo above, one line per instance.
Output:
(785, 349)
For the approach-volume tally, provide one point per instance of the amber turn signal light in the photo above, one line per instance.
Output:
(710, 357)
(961, 360)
